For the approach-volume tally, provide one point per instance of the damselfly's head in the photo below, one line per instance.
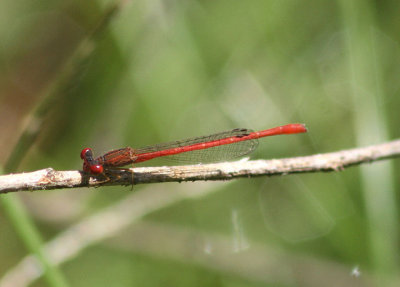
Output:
(90, 165)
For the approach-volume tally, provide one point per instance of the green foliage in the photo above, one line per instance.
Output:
(167, 70)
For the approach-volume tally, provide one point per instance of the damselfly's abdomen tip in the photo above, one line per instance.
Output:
(294, 129)
(303, 128)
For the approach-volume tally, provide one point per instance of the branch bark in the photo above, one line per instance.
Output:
(49, 178)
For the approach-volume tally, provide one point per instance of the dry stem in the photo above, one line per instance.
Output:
(47, 179)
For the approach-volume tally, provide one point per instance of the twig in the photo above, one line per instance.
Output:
(50, 179)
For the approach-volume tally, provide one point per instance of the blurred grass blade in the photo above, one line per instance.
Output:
(370, 125)
(31, 238)
(11, 204)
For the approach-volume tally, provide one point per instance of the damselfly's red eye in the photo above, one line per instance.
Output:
(96, 169)
(84, 152)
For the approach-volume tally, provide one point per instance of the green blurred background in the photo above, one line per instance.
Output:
(165, 70)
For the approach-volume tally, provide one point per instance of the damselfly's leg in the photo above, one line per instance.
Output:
(111, 175)
(132, 175)
(106, 178)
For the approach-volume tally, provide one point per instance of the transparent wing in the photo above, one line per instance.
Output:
(212, 154)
